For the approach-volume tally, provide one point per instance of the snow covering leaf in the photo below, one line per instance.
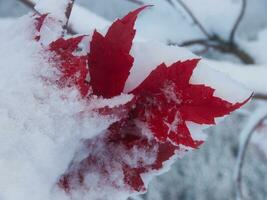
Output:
(109, 59)
(166, 100)
(73, 68)
(120, 111)
(148, 125)
(122, 151)
(161, 102)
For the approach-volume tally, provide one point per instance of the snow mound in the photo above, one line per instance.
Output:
(40, 129)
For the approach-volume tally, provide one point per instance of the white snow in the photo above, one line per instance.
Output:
(257, 47)
(53, 7)
(5, 23)
(252, 76)
(40, 130)
(84, 21)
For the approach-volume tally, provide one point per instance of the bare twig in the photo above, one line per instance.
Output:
(194, 18)
(245, 136)
(238, 20)
(204, 42)
(260, 97)
(138, 2)
(220, 45)
(214, 41)
(67, 14)
(170, 2)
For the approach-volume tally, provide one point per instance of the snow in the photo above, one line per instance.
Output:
(40, 131)
(89, 22)
(53, 7)
(259, 138)
(112, 102)
(252, 76)
(256, 118)
(257, 47)
(5, 23)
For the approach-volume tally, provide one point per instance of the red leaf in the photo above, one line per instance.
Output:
(166, 100)
(162, 103)
(122, 150)
(73, 68)
(39, 21)
(200, 106)
(109, 59)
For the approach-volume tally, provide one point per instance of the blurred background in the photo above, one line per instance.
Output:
(232, 164)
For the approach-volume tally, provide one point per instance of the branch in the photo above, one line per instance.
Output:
(260, 97)
(193, 17)
(67, 14)
(222, 46)
(203, 42)
(170, 2)
(238, 20)
(138, 2)
(258, 116)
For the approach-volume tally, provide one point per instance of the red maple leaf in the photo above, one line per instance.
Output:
(152, 126)
(108, 74)
(166, 100)
(39, 21)
(74, 68)
(123, 149)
